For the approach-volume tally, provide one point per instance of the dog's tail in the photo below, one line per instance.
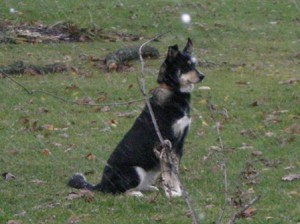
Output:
(78, 181)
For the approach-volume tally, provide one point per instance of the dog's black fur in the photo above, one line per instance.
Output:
(133, 164)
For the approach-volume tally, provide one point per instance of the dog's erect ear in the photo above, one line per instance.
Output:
(172, 52)
(189, 46)
(161, 73)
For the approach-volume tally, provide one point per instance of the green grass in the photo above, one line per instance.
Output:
(253, 42)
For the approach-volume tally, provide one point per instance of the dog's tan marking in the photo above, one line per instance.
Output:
(190, 77)
(161, 94)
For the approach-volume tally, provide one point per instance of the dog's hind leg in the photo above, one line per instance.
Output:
(147, 179)
(119, 179)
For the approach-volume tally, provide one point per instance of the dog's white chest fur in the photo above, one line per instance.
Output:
(180, 125)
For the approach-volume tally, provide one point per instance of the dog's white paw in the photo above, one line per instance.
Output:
(151, 188)
(135, 193)
(174, 194)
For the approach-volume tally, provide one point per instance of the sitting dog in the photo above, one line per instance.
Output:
(133, 166)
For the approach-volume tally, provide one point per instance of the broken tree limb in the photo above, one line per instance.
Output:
(171, 183)
(20, 67)
(114, 60)
(169, 163)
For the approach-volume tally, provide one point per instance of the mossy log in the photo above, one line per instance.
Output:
(114, 60)
(20, 67)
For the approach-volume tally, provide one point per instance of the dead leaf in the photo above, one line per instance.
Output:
(8, 176)
(256, 153)
(249, 212)
(70, 147)
(73, 195)
(269, 217)
(64, 135)
(13, 222)
(24, 121)
(270, 163)
(250, 174)
(48, 127)
(289, 167)
(105, 109)
(293, 129)
(246, 147)
(254, 104)
(46, 152)
(242, 83)
(248, 133)
(269, 134)
(113, 123)
(85, 101)
(90, 156)
(73, 220)
(290, 81)
(71, 87)
(38, 182)
(294, 193)
(101, 97)
(86, 194)
(47, 205)
(57, 144)
(201, 132)
(42, 110)
(157, 218)
(291, 177)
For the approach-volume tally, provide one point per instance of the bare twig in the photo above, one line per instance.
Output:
(240, 212)
(165, 154)
(223, 162)
(142, 87)
(31, 92)
(223, 166)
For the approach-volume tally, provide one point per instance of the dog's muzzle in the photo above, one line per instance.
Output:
(200, 76)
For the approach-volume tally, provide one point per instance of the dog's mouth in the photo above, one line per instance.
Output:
(191, 77)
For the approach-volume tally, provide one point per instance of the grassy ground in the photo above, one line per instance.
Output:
(251, 47)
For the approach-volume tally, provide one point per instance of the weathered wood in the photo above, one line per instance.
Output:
(169, 165)
(114, 60)
(20, 67)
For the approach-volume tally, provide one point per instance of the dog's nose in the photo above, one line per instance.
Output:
(201, 76)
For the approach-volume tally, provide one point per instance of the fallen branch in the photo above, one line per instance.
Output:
(11, 33)
(20, 67)
(115, 60)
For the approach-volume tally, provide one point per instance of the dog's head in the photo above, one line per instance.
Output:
(178, 71)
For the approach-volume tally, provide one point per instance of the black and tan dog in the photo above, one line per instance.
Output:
(133, 166)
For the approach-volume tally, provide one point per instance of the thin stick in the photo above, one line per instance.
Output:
(224, 174)
(142, 87)
(223, 163)
(31, 92)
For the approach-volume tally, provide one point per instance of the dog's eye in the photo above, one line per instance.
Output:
(191, 64)
(194, 60)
